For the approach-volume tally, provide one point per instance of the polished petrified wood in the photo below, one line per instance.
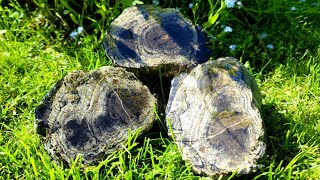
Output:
(146, 38)
(215, 118)
(90, 113)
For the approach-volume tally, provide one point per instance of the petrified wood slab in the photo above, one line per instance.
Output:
(146, 38)
(214, 114)
(89, 113)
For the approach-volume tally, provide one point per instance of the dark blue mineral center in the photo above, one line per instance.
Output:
(148, 36)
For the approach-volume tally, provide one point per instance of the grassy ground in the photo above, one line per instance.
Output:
(279, 42)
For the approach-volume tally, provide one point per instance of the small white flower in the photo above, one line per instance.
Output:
(230, 3)
(227, 29)
(80, 29)
(73, 34)
(239, 3)
(155, 2)
(293, 8)
(270, 46)
(263, 35)
(190, 5)
(232, 47)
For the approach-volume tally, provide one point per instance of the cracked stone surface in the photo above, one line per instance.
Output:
(146, 37)
(89, 113)
(215, 118)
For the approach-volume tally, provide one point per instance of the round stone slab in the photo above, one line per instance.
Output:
(148, 37)
(214, 115)
(89, 113)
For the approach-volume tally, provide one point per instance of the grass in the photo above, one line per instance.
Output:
(36, 51)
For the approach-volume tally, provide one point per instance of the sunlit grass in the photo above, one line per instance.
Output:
(35, 53)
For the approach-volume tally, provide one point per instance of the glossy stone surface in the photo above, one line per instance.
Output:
(90, 113)
(145, 38)
(215, 118)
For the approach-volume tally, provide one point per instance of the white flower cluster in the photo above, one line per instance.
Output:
(74, 33)
(232, 3)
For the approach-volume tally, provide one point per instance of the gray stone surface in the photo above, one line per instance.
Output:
(146, 38)
(89, 113)
(215, 118)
